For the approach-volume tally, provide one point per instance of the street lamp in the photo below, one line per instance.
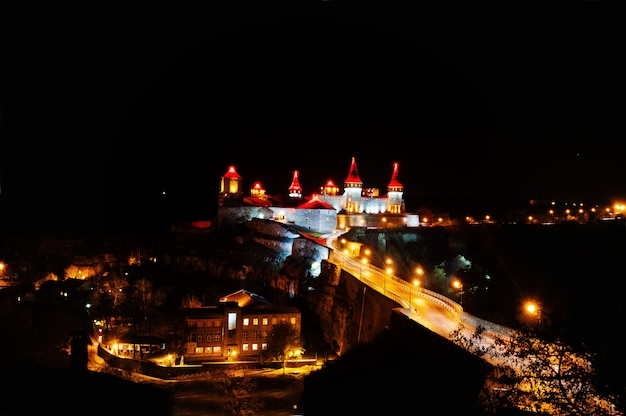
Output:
(363, 262)
(456, 283)
(389, 272)
(533, 308)
(416, 283)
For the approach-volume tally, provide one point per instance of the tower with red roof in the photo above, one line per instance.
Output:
(230, 187)
(295, 190)
(395, 191)
(353, 189)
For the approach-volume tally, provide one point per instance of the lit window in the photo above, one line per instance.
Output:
(245, 347)
(246, 321)
(265, 321)
(232, 321)
(255, 321)
(255, 347)
(293, 320)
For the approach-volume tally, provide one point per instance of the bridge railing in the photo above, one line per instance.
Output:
(342, 259)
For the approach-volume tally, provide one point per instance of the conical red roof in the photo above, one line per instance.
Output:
(295, 183)
(232, 173)
(395, 183)
(353, 175)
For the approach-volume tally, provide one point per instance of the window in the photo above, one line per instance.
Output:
(246, 321)
(274, 320)
(217, 350)
(199, 350)
(232, 321)
(264, 346)
(255, 321)
(245, 347)
(245, 334)
(292, 320)
(265, 321)
(255, 347)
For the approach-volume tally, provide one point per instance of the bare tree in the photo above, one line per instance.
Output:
(109, 295)
(143, 302)
(537, 375)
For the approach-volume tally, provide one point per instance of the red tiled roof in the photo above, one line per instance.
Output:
(394, 178)
(232, 173)
(315, 204)
(295, 184)
(353, 175)
(257, 202)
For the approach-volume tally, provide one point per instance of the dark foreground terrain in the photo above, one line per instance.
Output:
(408, 368)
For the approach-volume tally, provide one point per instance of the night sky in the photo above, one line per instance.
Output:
(103, 111)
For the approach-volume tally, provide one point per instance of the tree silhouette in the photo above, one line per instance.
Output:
(143, 302)
(284, 342)
(108, 297)
(536, 374)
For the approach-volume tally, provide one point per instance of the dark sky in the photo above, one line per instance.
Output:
(103, 110)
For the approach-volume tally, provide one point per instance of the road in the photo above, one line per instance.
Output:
(441, 314)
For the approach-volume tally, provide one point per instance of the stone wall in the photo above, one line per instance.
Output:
(349, 312)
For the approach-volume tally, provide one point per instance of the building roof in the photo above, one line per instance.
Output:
(142, 339)
(232, 173)
(315, 204)
(257, 201)
(353, 175)
(245, 298)
(395, 183)
(295, 183)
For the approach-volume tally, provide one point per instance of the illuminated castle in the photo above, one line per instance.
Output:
(323, 212)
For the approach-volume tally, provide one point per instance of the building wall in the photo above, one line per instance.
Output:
(211, 337)
(318, 220)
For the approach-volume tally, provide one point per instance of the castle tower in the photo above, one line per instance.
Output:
(329, 188)
(353, 188)
(395, 190)
(258, 191)
(295, 190)
(230, 187)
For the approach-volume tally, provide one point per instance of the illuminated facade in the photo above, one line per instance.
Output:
(323, 212)
(238, 328)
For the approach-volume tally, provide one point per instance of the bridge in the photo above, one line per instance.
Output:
(430, 309)
(442, 315)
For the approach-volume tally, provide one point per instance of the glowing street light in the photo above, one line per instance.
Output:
(416, 283)
(361, 264)
(390, 273)
(456, 284)
(533, 308)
